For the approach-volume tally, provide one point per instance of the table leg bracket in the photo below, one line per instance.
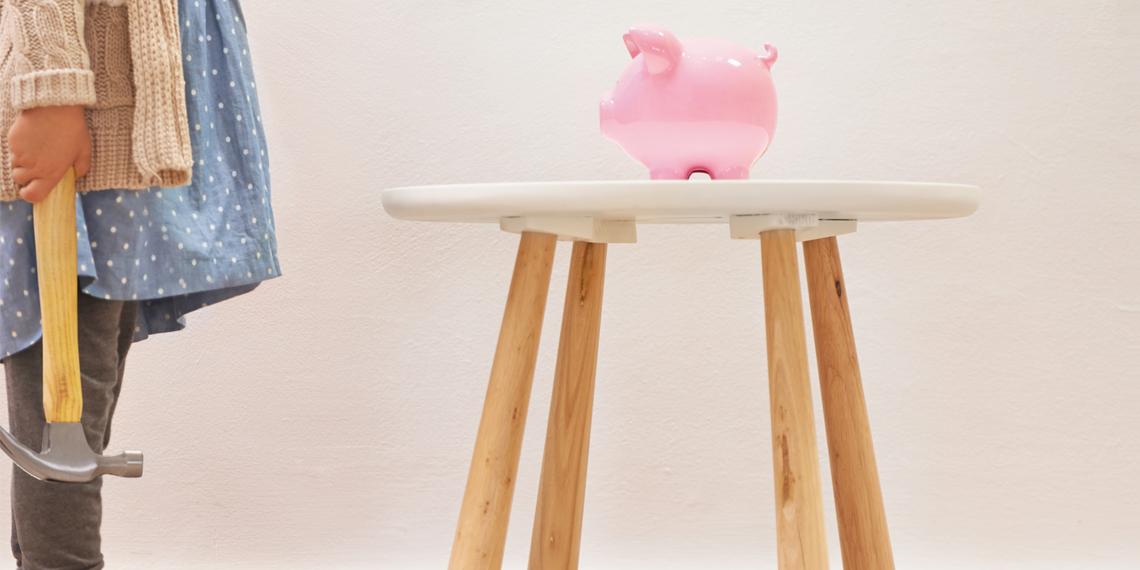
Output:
(579, 228)
(807, 226)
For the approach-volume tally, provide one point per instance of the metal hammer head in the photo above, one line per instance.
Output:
(66, 457)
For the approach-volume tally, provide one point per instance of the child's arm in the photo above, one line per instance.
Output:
(53, 83)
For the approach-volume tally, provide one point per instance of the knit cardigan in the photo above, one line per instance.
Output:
(119, 58)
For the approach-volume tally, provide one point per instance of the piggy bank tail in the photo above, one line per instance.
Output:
(605, 113)
(770, 55)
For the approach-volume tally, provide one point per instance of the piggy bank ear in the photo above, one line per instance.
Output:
(662, 50)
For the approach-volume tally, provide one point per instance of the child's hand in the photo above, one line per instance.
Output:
(45, 142)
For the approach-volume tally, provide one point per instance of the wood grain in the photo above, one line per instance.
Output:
(863, 535)
(485, 512)
(800, 537)
(561, 493)
(56, 272)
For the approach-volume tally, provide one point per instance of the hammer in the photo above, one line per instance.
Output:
(66, 457)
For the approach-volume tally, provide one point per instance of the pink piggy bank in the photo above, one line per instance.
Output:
(699, 106)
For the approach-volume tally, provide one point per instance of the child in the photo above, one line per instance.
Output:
(137, 96)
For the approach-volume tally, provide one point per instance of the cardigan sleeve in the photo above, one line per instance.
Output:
(51, 63)
(161, 137)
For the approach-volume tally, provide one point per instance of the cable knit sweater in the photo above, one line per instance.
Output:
(119, 58)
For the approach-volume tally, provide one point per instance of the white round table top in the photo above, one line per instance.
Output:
(682, 201)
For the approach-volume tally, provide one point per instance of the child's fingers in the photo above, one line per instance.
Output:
(36, 190)
(22, 176)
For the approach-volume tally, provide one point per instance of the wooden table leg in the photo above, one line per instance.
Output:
(561, 493)
(800, 537)
(483, 518)
(863, 533)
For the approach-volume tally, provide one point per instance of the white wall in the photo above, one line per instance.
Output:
(327, 421)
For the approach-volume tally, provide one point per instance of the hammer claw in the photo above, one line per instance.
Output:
(67, 458)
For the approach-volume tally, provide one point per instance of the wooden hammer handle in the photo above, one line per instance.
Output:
(59, 289)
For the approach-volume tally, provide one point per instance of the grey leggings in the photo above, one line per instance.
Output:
(55, 526)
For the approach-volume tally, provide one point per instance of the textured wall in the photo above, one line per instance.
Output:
(327, 421)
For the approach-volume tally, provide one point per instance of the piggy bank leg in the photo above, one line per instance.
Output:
(729, 173)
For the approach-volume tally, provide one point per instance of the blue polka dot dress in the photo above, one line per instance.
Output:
(173, 250)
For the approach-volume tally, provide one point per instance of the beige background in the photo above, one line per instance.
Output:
(327, 421)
